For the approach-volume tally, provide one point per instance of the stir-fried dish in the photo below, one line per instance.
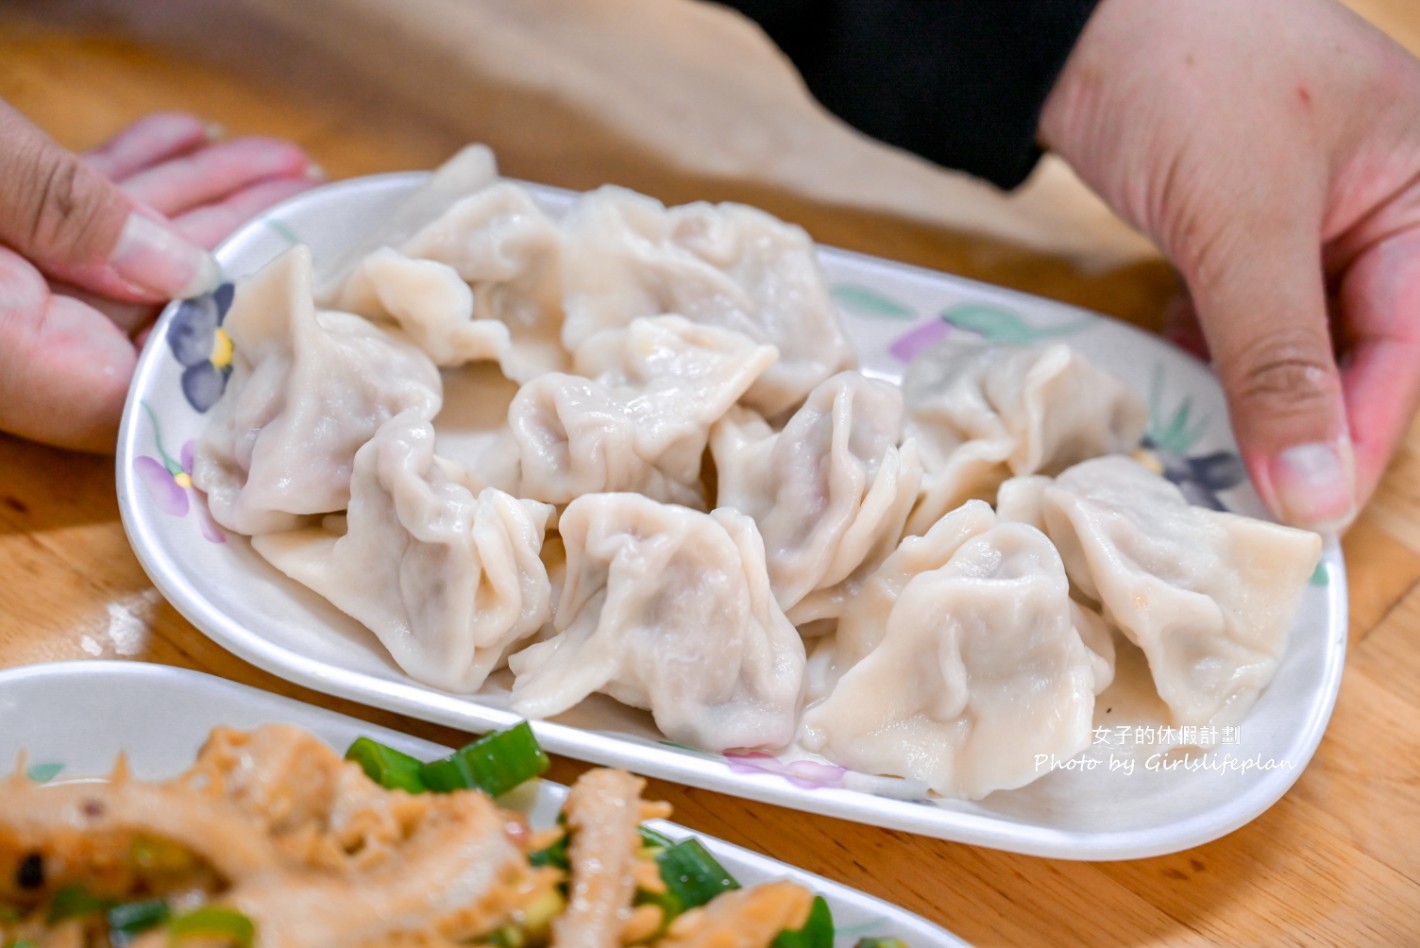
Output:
(273, 839)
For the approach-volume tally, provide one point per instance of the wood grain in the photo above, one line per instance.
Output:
(1335, 862)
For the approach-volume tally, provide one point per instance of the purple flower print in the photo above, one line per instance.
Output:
(806, 774)
(202, 347)
(169, 484)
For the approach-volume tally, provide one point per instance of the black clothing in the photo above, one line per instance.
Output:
(959, 82)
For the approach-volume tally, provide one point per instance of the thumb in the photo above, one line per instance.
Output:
(1263, 309)
(77, 226)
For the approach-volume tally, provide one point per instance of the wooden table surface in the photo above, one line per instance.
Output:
(1336, 861)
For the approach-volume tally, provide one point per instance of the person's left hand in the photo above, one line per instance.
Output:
(92, 245)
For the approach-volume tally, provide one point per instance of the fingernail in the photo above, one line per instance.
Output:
(1314, 485)
(158, 259)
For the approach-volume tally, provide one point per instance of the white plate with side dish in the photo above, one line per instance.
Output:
(1134, 793)
(72, 719)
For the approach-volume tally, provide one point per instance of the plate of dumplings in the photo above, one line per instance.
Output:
(701, 499)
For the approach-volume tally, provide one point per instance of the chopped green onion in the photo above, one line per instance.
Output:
(211, 921)
(692, 874)
(668, 902)
(132, 918)
(654, 840)
(816, 933)
(391, 769)
(891, 941)
(446, 775)
(504, 936)
(495, 763)
(25, 943)
(74, 901)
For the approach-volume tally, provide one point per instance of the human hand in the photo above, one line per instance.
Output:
(1271, 149)
(91, 246)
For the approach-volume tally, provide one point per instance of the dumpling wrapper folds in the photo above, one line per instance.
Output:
(830, 492)
(446, 579)
(1209, 596)
(723, 265)
(308, 389)
(980, 668)
(982, 413)
(667, 609)
(640, 417)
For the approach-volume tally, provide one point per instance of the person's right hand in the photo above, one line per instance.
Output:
(1271, 148)
(91, 246)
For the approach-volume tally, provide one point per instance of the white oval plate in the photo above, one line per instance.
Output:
(1117, 801)
(73, 718)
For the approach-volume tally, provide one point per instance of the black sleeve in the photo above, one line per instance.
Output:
(959, 82)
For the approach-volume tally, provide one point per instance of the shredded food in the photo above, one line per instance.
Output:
(277, 828)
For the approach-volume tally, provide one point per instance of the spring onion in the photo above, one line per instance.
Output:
(76, 901)
(817, 931)
(391, 769)
(495, 763)
(653, 840)
(133, 918)
(212, 921)
(691, 874)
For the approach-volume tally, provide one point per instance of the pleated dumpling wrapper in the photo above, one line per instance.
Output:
(830, 492)
(447, 579)
(309, 387)
(1209, 596)
(668, 609)
(724, 265)
(982, 413)
(980, 665)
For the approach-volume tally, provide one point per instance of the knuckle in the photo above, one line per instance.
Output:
(1288, 374)
(58, 210)
(61, 202)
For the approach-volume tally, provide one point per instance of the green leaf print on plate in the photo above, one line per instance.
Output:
(866, 301)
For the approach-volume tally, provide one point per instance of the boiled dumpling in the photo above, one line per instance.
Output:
(724, 265)
(428, 301)
(510, 253)
(830, 492)
(980, 668)
(308, 388)
(448, 580)
(1209, 596)
(642, 422)
(982, 413)
(667, 609)
(471, 169)
(860, 626)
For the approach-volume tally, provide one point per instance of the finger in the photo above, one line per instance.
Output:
(74, 224)
(210, 225)
(129, 317)
(1182, 328)
(1263, 307)
(64, 368)
(1380, 297)
(147, 142)
(212, 173)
